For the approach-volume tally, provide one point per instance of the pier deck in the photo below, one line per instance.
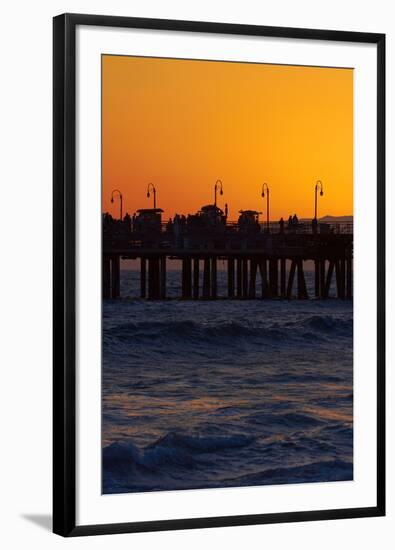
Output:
(264, 263)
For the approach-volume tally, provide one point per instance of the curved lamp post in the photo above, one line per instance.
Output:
(151, 187)
(120, 201)
(318, 187)
(218, 185)
(265, 187)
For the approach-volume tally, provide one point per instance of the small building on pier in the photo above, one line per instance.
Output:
(148, 220)
(249, 220)
(208, 216)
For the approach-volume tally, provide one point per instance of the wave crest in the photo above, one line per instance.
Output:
(228, 333)
(174, 449)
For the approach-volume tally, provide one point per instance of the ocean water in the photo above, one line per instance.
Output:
(225, 393)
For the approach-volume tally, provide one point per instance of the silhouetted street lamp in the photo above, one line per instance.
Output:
(152, 187)
(120, 200)
(218, 185)
(318, 186)
(265, 186)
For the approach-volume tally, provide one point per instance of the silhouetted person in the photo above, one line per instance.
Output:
(281, 222)
(128, 222)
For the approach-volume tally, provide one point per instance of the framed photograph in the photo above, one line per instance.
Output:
(219, 274)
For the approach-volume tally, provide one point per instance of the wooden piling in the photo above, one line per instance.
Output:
(339, 284)
(239, 278)
(291, 279)
(163, 277)
(283, 275)
(245, 277)
(206, 278)
(264, 283)
(106, 281)
(253, 270)
(273, 276)
(349, 278)
(213, 277)
(317, 278)
(322, 277)
(156, 278)
(302, 289)
(153, 279)
(115, 276)
(143, 277)
(343, 279)
(337, 273)
(186, 278)
(231, 277)
(195, 278)
(151, 283)
(328, 279)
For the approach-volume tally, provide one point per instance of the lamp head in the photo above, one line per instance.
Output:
(263, 193)
(112, 199)
(221, 192)
(321, 193)
(148, 195)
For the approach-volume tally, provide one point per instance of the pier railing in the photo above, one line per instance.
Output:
(301, 227)
(271, 239)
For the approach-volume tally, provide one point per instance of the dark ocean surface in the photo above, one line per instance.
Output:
(225, 393)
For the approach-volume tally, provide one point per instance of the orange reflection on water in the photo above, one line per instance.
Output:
(328, 414)
(138, 405)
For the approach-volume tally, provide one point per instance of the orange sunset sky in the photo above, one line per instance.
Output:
(183, 124)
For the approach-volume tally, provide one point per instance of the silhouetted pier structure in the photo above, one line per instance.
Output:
(262, 260)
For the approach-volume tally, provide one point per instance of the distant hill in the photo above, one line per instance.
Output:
(331, 219)
(336, 219)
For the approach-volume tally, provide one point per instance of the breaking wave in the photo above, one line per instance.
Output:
(227, 332)
(188, 462)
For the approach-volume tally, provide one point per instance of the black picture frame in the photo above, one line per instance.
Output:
(64, 272)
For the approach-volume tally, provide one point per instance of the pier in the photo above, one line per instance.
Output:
(263, 261)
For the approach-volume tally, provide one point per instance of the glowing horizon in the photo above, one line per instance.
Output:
(183, 124)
